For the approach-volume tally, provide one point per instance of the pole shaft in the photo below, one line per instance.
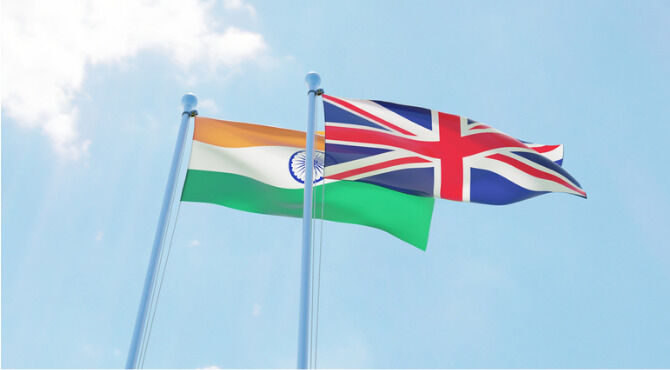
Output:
(138, 332)
(305, 289)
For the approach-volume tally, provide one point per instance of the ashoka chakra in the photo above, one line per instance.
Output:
(296, 166)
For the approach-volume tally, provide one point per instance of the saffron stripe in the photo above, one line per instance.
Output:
(237, 134)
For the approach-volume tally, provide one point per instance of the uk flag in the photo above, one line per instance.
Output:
(429, 153)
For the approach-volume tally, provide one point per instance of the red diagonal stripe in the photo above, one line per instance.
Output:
(534, 171)
(545, 148)
(377, 166)
(366, 114)
(479, 126)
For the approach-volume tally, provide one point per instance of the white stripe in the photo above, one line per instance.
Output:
(268, 164)
(435, 123)
(437, 178)
(554, 154)
(466, 181)
(437, 172)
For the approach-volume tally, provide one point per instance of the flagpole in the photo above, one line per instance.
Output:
(313, 81)
(189, 101)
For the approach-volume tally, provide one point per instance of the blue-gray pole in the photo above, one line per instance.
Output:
(189, 102)
(313, 81)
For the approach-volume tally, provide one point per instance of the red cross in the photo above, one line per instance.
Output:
(450, 149)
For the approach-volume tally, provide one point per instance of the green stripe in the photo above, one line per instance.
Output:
(403, 215)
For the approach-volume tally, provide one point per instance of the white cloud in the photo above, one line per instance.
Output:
(256, 310)
(239, 5)
(47, 47)
(351, 351)
(208, 106)
(194, 243)
(99, 236)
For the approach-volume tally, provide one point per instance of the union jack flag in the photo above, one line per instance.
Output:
(429, 153)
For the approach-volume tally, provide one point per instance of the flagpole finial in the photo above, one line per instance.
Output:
(313, 81)
(189, 101)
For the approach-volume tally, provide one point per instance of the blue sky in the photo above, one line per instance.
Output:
(90, 109)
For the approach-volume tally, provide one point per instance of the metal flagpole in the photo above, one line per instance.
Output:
(189, 101)
(313, 81)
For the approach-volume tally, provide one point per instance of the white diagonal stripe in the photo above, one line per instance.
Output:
(332, 170)
(516, 175)
(387, 115)
(542, 168)
(554, 154)
(389, 169)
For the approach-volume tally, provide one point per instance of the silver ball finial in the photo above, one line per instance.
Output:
(189, 101)
(313, 80)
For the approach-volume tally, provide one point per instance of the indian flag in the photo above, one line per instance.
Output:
(261, 169)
